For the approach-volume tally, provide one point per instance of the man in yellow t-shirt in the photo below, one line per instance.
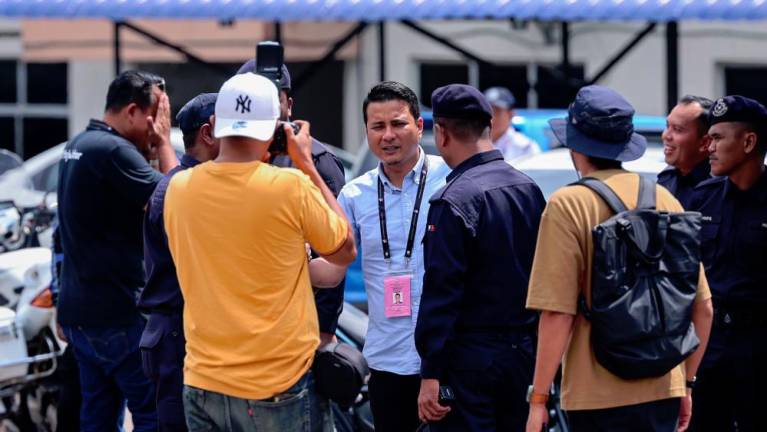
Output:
(237, 229)
(599, 134)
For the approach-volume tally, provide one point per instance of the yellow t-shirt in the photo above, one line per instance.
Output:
(562, 269)
(237, 234)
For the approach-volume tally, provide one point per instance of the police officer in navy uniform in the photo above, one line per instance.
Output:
(732, 380)
(162, 343)
(473, 332)
(685, 147)
(329, 301)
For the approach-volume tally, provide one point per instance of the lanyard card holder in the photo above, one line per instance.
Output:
(397, 288)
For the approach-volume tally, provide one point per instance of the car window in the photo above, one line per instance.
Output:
(47, 179)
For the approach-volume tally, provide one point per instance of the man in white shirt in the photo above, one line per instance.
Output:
(511, 143)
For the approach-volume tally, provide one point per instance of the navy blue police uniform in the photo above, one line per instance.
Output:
(473, 332)
(162, 343)
(682, 186)
(732, 379)
(329, 301)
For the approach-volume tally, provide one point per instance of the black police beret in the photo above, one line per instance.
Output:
(460, 101)
(196, 112)
(738, 109)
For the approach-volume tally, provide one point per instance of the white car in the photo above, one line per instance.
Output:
(37, 178)
(553, 169)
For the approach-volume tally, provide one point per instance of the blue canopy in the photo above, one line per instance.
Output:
(381, 10)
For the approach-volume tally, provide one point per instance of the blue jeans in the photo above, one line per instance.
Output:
(299, 409)
(110, 372)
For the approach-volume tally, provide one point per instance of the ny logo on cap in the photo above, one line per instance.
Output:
(243, 104)
(720, 108)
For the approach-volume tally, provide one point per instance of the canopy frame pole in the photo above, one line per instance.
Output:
(565, 28)
(672, 64)
(174, 47)
(117, 47)
(317, 65)
(446, 42)
(278, 32)
(622, 53)
(382, 51)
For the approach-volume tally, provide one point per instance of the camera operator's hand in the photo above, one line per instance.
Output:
(300, 146)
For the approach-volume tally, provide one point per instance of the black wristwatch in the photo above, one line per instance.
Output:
(690, 384)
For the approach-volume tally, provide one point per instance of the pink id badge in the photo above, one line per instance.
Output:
(397, 295)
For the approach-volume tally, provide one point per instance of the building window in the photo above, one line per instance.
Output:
(33, 116)
(513, 77)
(553, 88)
(47, 83)
(7, 81)
(747, 81)
(436, 75)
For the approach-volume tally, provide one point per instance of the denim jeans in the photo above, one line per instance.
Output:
(299, 409)
(110, 372)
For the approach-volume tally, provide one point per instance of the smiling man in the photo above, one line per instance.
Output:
(387, 208)
(685, 147)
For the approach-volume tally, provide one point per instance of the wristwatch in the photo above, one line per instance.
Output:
(690, 383)
(536, 398)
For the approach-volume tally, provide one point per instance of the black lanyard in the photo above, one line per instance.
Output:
(413, 218)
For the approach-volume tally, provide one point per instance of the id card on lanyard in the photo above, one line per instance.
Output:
(397, 285)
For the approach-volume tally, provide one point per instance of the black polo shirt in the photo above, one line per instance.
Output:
(104, 185)
(682, 186)
(478, 253)
(734, 241)
(330, 302)
(162, 292)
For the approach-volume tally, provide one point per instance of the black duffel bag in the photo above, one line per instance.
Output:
(339, 372)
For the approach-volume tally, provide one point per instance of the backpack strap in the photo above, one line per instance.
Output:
(646, 199)
(604, 191)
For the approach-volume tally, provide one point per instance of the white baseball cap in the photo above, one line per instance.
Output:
(248, 105)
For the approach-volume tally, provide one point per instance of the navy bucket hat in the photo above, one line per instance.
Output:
(600, 124)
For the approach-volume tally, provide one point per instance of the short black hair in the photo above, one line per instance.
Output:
(132, 87)
(605, 164)
(705, 103)
(190, 138)
(391, 90)
(464, 129)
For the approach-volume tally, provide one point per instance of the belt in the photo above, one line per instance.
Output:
(739, 318)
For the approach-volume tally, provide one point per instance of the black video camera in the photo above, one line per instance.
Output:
(269, 60)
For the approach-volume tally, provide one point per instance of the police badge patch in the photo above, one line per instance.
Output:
(720, 108)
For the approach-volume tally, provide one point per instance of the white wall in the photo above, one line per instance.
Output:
(88, 83)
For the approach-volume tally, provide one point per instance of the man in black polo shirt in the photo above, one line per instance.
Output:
(104, 185)
(329, 301)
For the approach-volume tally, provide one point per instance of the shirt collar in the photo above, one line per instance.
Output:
(476, 160)
(758, 190)
(415, 172)
(701, 172)
(188, 161)
(102, 126)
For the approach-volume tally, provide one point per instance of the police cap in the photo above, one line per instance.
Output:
(460, 101)
(196, 112)
(738, 109)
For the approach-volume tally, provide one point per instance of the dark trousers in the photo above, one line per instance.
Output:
(394, 401)
(110, 373)
(68, 410)
(162, 355)
(656, 416)
(732, 382)
(489, 375)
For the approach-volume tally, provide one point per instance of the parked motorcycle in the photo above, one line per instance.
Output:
(29, 345)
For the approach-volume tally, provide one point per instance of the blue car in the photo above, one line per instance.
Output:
(531, 122)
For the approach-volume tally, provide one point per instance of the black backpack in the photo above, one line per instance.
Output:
(643, 285)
